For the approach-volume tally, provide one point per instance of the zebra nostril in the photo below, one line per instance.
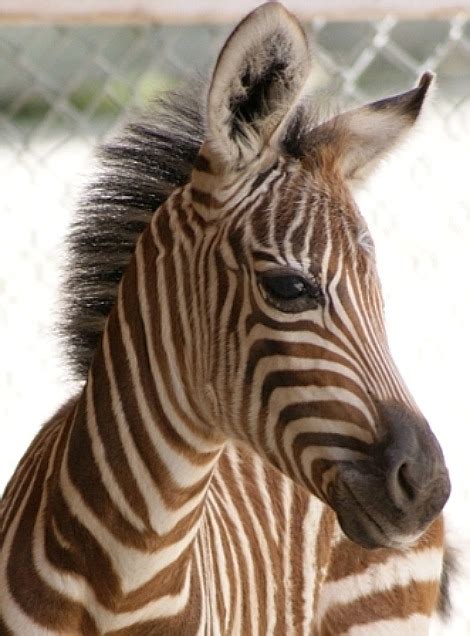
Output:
(403, 478)
(409, 456)
(405, 482)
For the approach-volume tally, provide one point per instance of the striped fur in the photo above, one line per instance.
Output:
(233, 454)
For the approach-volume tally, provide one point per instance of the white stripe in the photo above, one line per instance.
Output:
(184, 472)
(298, 218)
(398, 570)
(385, 378)
(108, 478)
(310, 528)
(197, 442)
(246, 549)
(287, 493)
(273, 363)
(161, 517)
(248, 506)
(11, 612)
(135, 567)
(265, 499)
(234, 581)
(220, 563)
(201, 630)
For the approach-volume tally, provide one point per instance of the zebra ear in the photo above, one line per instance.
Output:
(360, 138)
(257, 80)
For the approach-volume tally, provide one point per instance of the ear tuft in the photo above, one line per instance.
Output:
(257, 80)
(426, 80)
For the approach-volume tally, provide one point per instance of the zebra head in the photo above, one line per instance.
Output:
(289, 304)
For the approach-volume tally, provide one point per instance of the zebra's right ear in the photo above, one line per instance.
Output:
(257, 80)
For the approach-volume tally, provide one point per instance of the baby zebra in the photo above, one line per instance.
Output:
(244, 457)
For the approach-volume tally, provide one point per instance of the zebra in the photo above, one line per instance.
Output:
(243, 456)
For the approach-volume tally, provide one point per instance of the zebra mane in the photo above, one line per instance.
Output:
(136, 173)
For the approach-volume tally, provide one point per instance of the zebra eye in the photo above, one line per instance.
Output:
(284, 287)
(289, 292)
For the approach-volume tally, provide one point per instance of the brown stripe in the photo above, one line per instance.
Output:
(230, 567)
(150, 336)
(261, 583)
(210, 529)
(298, 511)
(36, 598)
(184, 622)
(111, 443)
(86, 477)
(4, 630)
(83, 556)
(308, 378)
(12, 497)
(269, 347)
(348, 557)
(202, 164)
(397, 603)
(205, 199)
(19, 491)
(323, 549)
(242, 583)
(274, 483)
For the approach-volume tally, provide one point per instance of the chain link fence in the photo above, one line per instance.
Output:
(63, 89)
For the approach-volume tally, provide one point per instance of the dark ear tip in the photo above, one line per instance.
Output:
(425, 81)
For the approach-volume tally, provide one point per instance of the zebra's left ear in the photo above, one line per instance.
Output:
(257, 81)
(360, 138)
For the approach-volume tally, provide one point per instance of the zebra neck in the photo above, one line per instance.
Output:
(138, 461)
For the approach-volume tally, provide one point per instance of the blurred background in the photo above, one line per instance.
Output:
(69, 80)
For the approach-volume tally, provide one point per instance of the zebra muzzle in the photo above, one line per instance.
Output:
(389, 499)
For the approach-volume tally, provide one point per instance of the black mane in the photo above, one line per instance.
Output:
(135, 176)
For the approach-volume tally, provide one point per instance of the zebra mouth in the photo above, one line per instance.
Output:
(362, 525)
(367, 515)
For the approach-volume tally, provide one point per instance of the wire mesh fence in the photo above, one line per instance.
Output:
(63, 89)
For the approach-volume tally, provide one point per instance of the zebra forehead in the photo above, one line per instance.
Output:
(306, 209)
